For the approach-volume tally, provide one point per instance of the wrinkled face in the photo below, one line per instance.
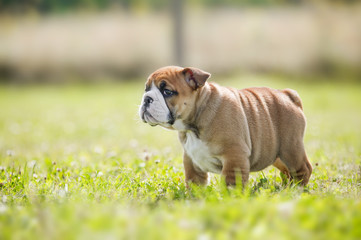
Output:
(169, 95)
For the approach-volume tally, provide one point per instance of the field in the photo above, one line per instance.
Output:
(77, 163)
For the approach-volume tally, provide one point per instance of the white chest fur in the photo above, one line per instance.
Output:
(201, 155)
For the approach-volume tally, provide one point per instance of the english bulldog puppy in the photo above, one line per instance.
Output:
(225, 130)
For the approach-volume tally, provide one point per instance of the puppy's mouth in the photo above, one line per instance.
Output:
(148, 118)
(152, 121)
(171, 118)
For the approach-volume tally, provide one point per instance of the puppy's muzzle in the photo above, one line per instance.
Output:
(147, 101)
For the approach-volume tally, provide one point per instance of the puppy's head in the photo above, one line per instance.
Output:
(170, 94)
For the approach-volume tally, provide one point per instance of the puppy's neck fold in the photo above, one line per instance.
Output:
(192, 121)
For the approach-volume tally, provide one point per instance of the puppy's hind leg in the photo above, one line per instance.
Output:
(284, 171)
(298, 164)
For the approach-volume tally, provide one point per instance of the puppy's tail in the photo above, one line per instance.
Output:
(293, 95)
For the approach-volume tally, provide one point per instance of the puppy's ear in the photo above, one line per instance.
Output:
(195, 77)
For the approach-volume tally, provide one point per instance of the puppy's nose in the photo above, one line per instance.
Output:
(147, 100)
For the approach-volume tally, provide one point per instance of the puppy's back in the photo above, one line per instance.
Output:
(273, 116)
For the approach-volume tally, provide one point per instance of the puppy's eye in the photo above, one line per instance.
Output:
(167, 92)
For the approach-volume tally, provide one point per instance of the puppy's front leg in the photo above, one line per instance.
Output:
(235, 165)
(192, 173)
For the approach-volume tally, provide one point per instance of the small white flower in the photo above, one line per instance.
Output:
(286, 208)
(10, 152)
(32, 164)
(146, 156)
(203, 236)
(3, 208)
(111, 154)
(133, 143)
(83, 159)
(62, 193)
(98, 150)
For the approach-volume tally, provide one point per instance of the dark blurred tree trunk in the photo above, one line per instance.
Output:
(178, 31)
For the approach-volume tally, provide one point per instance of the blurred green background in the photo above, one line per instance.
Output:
(76, 162)
(90, 40)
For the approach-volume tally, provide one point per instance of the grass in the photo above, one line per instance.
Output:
(77, 163)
